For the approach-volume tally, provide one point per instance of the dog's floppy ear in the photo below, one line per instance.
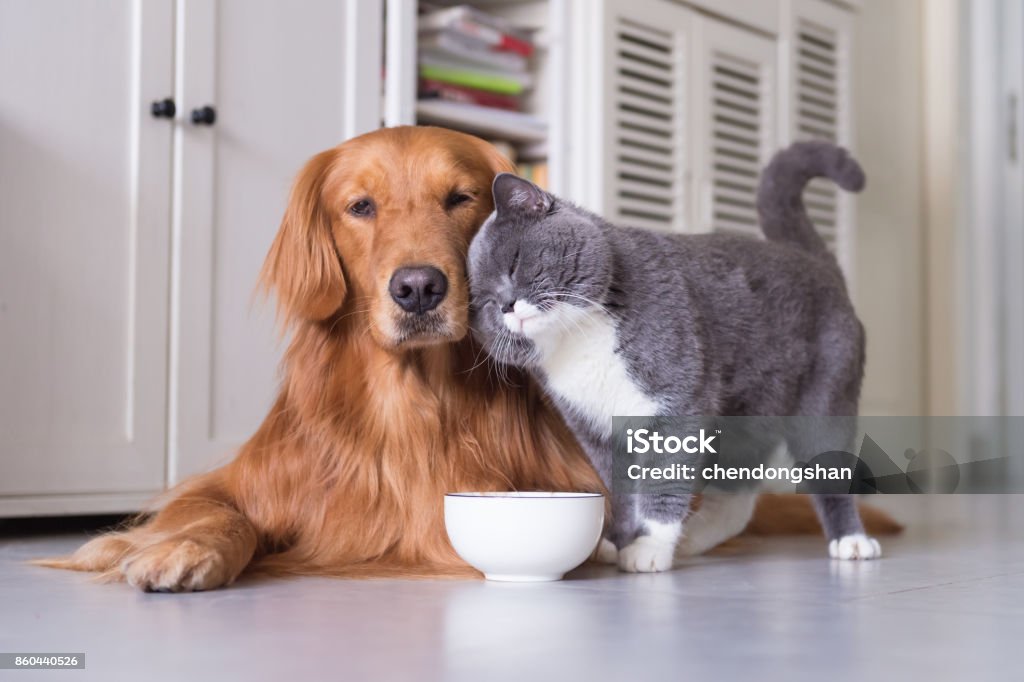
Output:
(303, 265)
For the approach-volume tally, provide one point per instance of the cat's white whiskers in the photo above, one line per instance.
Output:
(502, 367)
(557, 295)
(564, 321)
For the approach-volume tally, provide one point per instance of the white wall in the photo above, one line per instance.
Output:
(889, 290)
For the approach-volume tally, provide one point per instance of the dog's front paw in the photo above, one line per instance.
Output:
(854, 547)
(646, 554)
(176, 565)
(606, 552)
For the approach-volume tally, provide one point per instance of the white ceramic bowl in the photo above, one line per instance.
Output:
(524, 536)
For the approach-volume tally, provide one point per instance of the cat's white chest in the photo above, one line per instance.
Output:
(584, 371)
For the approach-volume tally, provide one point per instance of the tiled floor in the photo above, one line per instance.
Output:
(945, 603)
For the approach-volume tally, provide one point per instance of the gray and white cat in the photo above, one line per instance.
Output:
(620, 321)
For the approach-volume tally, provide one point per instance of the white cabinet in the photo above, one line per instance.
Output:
(734, 88)
(278, 76)
(84, 224)
(814, 56)
(644, 59)
(674, 129)
(132, 348)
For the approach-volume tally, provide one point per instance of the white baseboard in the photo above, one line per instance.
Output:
(67, 505)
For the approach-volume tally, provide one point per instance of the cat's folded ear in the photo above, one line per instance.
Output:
(515, 194)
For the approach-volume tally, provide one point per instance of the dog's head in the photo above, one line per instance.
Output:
(378, 228)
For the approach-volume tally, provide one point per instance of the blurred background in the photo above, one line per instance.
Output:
(147, 148)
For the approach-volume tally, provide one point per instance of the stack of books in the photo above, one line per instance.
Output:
(473, 70)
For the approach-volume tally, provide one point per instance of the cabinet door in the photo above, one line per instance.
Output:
(643, 107)
(84, 227)
(814, 51)
(287, 80)
(734, 91)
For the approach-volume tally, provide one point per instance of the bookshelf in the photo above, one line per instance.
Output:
(531, 133)
(504, 126)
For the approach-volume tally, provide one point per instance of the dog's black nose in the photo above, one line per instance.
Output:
(418, 289)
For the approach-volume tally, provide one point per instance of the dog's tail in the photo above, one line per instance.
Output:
(780, 202)
(794, 515)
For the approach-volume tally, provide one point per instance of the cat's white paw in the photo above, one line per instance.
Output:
(646, 554)
(854, 547)
(606, 552)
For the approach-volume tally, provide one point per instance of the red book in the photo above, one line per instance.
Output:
(513, 44)
(432, 89)
(484, 27)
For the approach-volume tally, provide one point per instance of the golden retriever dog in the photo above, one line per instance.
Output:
(385, 404)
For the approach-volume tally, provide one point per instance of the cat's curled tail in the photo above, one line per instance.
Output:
(780, 202)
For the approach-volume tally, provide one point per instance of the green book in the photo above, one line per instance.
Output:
(472, 79)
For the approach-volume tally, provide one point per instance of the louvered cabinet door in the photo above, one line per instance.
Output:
(734, 122)
(814, 50)
(643, 135)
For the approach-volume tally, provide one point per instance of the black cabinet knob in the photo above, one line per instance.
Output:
(163, 108)
(205, 116)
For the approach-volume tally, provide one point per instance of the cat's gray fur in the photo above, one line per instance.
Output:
(709, 324)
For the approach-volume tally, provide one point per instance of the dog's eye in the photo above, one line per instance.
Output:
(456, 199)
(363, 208)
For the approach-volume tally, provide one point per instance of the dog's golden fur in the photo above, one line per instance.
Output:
(376, 417)
(373, 424)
